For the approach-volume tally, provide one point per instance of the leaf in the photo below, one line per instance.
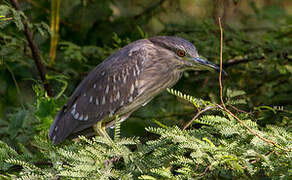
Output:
(260, 108)
(234, 93)
(147, 177)
(17, 18)
(45, 108)
(16, 123)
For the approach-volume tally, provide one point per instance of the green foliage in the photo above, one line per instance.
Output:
(215, 146)
(6, 10)
(221, 147)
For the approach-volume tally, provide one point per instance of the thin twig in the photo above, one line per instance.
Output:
(205, 171)
(197, 166)
(224, 107)
(239, 110)
(112, 160)
(35, 51)
(197, 115)
(257, 159)
(220, 73)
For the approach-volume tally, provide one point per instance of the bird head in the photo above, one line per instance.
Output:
(184, 53)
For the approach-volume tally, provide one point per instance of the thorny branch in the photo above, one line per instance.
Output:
(35, 51)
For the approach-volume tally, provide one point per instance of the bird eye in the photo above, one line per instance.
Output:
(181, 53)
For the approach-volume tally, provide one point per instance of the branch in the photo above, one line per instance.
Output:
(235, 61)
(227, 110)
(112, 160)
(221, 54)
(257, 159)
(35, 52)
(197, 115)
(55, 23)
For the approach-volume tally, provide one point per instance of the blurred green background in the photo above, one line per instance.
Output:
(257, 56)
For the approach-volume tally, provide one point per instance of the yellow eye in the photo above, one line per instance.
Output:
(181, 53)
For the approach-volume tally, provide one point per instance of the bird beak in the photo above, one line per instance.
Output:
(198, 63)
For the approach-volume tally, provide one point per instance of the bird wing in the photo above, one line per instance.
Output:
(110, 86)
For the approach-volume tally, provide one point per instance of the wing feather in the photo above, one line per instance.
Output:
(108, 87)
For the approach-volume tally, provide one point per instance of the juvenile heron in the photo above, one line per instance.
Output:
(125, 81)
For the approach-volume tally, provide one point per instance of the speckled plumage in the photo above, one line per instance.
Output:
(122, 83)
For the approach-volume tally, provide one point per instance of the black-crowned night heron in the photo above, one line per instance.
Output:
(125, 81)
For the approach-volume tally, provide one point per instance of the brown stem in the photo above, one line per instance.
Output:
(257, 159)
(205, 171)
(239, 110)
(220, 73)
(55, 21)
(35, 52)
(112, 160)
(197, 115)
(227, 110)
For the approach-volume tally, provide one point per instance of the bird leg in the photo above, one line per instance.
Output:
(100, 129)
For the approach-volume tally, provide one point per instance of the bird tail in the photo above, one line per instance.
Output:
(62, 127)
